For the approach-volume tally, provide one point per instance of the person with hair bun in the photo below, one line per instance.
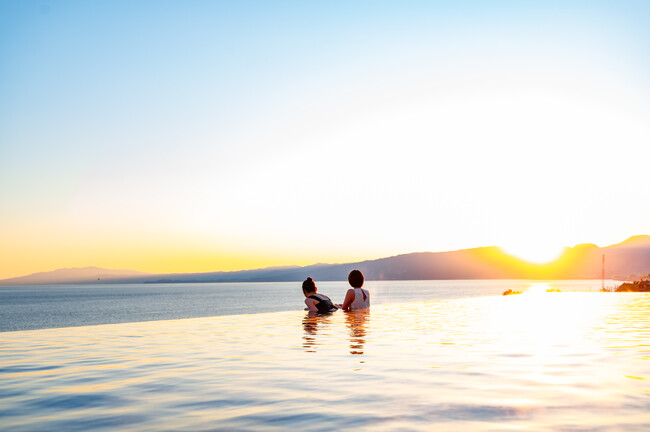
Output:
(356, 298)
(316, 302)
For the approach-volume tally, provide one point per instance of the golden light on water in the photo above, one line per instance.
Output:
(538, 288)
(541, 361)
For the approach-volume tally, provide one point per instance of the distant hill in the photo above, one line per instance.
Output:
(628, 258)
(74, 275)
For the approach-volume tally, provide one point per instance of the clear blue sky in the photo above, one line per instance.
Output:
(205, 135)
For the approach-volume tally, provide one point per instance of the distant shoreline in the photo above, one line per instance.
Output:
(625, 261)
(119, 283)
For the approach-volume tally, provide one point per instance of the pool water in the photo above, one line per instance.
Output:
(537, 361)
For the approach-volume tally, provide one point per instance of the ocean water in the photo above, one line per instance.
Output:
(39, 307)
(532, 362)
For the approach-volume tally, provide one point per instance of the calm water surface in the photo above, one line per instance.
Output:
(39, 307)
(537, 361)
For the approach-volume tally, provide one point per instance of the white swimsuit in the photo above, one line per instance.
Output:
(359, 303)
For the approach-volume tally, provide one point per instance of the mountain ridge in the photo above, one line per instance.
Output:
(632, 256)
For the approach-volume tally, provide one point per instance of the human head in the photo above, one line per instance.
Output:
(308, 286)
(355, 279)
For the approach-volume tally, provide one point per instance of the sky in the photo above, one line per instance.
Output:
(190, 136)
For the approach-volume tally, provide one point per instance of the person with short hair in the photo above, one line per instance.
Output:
(356, 298)
(316, 302)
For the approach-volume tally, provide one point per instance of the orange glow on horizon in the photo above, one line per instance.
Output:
(44, 248)
(535, 254)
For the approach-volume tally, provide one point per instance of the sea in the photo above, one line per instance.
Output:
(428, 355)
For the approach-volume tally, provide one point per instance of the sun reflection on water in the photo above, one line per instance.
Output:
(538, 288)
(543, 361)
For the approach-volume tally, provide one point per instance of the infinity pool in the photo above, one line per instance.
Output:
(538, 361)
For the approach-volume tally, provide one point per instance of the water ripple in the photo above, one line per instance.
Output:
(494, 363)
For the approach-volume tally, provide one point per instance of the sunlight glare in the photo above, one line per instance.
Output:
(534, 253)
(538, 288)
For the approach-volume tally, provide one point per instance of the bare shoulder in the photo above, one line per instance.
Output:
(349, 298)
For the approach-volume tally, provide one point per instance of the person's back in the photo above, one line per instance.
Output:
(316, 302)
(356, 298)
(323, 303)
(361, 299)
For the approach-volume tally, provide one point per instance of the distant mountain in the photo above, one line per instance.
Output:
(628, 258)
(74, 275)
(582, 261)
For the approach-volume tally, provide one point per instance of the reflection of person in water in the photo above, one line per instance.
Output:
(310, 325)
(314, 323)
(356, 321)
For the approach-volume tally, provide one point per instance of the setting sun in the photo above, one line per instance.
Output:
(534, 253)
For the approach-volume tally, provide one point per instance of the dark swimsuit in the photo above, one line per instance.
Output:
(325, 304)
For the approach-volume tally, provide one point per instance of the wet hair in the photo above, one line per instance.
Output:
(355, 279)
(308, 285)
